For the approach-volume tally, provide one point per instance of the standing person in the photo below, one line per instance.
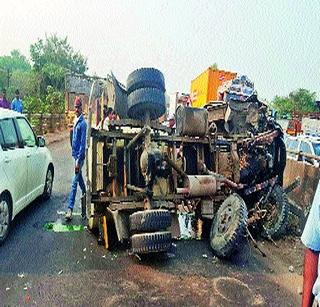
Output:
(4, 103)
(311, 239)
(78, 153)
(17, 104)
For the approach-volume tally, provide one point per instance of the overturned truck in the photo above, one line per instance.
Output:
(224, 162)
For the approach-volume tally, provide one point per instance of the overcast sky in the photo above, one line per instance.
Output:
(275, 43)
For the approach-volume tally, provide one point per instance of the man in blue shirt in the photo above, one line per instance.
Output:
(78, 153)
(17, 104)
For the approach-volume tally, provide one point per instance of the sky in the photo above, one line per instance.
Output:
(275, 43)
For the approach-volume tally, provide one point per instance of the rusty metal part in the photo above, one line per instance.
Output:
(144, 131)
(174, 166)
(235, 162)
(294, 184)
(191, 121)
(199, 185)
(136, 189)
(262, 138)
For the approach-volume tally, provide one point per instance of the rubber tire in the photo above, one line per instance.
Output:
(149, 220)
(154, 242)
(279, 198)
(224, 244)
(7, 200)
(144, 78)
(46, 195)
(144, 100)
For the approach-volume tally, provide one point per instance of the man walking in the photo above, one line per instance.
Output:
(78, 153)
(17, 104)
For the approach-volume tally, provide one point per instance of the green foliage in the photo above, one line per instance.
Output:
(14, 61)
(9, 64)
(300, 100)
(214, 66)
(54, 101)
(28, 83)
(53, 57)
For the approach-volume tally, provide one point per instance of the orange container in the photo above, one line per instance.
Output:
(204, 88)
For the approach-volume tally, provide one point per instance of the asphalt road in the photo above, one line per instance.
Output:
(42, 268)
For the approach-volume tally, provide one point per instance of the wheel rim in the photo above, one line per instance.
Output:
(225, 219)
(4, 217)
(49, 181)
(272, 214)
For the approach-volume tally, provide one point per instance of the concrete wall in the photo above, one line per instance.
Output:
(309, 174)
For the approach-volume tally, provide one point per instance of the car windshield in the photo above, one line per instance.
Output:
(316, 147)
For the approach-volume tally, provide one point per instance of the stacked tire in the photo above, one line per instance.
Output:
(149, 231)
(145, 89)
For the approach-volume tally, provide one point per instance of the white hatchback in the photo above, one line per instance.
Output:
(26, 168)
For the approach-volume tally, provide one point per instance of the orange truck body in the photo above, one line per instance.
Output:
(204, 88)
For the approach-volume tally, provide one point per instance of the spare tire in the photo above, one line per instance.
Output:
(150, 220)
(144, 78)
(229, 226)
(154, 242)
(145, 100)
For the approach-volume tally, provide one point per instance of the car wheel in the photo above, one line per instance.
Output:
(48, 184)
(5, 217)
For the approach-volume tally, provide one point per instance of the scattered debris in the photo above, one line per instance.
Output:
(291, 268)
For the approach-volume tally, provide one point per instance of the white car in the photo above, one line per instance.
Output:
(304, 144)
(26, 168)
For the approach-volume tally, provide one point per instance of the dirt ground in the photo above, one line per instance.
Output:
(192, 276)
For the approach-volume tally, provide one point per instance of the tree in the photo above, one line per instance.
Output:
(53, 57)
(214, 66)
(301, 100)
(10, 64)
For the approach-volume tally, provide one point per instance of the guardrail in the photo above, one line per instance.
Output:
(44, 123)
(301, 154)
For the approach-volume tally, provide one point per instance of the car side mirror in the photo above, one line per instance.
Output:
(41, 141)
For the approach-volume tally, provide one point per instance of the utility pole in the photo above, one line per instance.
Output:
(9, 74)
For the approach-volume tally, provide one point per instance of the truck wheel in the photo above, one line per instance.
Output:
(150, 220)
(229, 226)
(275, 222)
(5, 217)
(153, 242)
(145, 77)
(145, 100)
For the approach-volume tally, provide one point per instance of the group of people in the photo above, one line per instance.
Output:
(16, 104)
